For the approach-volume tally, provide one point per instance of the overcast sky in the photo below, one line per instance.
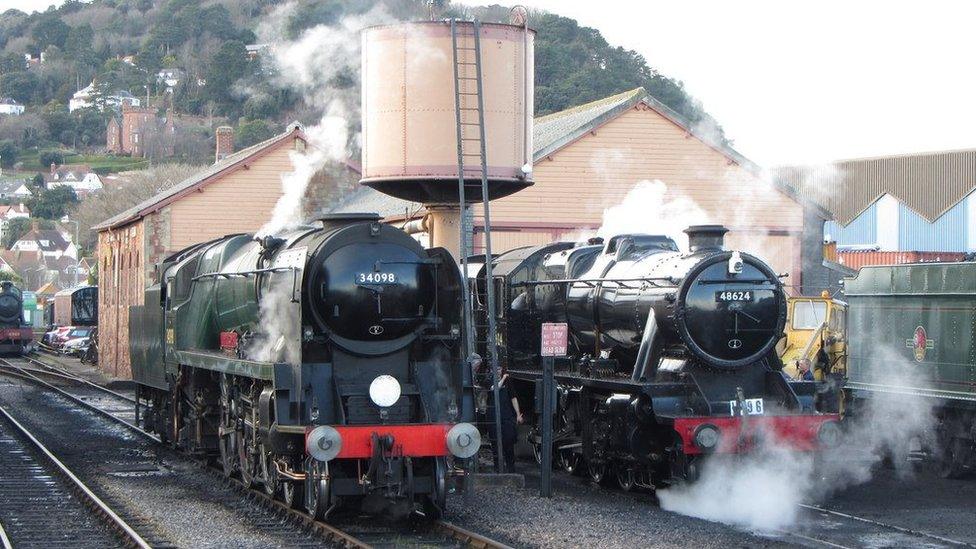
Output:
(801, 82)
(796, 82)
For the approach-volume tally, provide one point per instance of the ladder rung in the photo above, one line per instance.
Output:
(467, 78)
(470, 139)
(466, 49)
(467, 62)
(470, 124)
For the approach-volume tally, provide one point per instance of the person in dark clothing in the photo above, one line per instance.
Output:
(511, 417)
(804, 373)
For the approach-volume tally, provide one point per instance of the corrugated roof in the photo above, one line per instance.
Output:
(558, 129)
(929, 184)
(159, 200)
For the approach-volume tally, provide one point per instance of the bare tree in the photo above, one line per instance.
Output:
(125, 191)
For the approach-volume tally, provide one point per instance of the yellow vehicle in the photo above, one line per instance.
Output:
(815, 330)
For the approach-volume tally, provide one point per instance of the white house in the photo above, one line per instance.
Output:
(83, 98)
(14, 188)
(49, 242)
(9, 105)
(169, 77)
(78, 177)
(9, 212)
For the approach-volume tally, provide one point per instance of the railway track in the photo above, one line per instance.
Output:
(821, 527)
(355, 532)
(44, 504)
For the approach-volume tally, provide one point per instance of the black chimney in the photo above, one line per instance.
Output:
(706, 237)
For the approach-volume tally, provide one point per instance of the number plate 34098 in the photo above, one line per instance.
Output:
(376, 278)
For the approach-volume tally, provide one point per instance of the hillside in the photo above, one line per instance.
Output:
(193, 56)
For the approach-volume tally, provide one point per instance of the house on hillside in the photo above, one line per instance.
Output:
(141, 132)
(9, 212)
(14, 189)
(86, 98)
(234, 195)
(51, 243)
(921, 205)
(34, 269)
(9, 105)
(169, 78)
(588, 158)
(79, 177)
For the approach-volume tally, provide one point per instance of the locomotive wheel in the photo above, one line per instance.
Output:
(625, 478)
(317, 489)
(954, 457)
(269, 473)
(247, 460)
(292, 493)
(228, 454)
(569, 461)
(597, 472)
(436, 503)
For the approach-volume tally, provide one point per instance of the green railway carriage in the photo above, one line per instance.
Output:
(912, 330)
(322, 363)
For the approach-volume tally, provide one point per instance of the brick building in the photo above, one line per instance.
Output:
(234, 195)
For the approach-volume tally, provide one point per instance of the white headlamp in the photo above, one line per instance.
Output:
(384, 391)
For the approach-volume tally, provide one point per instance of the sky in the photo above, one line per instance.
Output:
(808, 82)
(801, 81)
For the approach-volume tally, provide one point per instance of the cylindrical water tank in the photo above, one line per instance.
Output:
(410, 145)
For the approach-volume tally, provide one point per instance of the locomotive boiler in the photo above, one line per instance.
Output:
(322, 363)
(15, 336)
(672, 354)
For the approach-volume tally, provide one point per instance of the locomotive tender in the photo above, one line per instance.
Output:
(15, 337)
(912, 331)
(323, 363)
(671, 353)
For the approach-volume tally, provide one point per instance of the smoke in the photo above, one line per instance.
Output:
(648, 208)
(762, 490)
(322, 66)
(280, 322)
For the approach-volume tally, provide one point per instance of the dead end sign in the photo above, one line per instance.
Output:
(554, 338)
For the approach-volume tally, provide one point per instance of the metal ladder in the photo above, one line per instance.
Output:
(470, 56)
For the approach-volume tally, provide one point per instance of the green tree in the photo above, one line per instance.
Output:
(90, 126)
(250, 132)
(8, 153)
(11, 62)
(61, 125)
(47, 158)
(49, 30)
(79, 45)
(19, 85)
(12, 277)
(53, 203)
(16, 228)
(227, 66)
(37, 182)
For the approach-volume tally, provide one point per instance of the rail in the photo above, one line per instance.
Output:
(327, 531)
(101, 509)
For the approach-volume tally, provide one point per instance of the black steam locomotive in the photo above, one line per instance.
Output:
(671, 354)
(323, 363)
(15, 337)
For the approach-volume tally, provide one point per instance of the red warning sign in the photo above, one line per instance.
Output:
(554, 338)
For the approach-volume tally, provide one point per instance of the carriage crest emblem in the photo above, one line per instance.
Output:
(919, 343)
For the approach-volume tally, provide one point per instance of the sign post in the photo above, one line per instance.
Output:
(554, 340)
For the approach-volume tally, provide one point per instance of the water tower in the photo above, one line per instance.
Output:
(447, 111)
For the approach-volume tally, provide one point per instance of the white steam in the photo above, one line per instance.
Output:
(322, 66)
(649, 209)
(762, 490)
